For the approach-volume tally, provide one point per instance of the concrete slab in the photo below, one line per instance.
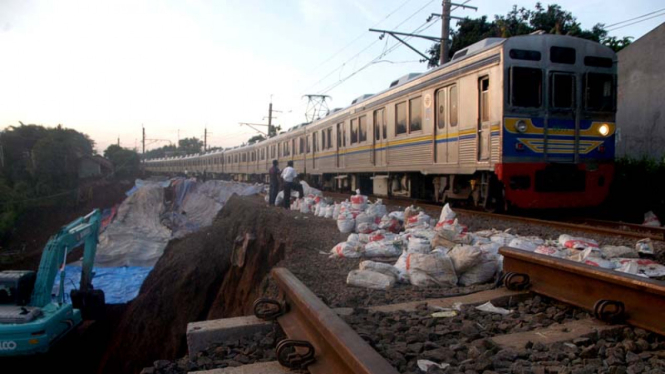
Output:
(563, 332)
(272, 367)
(499, 297)
(201, 335)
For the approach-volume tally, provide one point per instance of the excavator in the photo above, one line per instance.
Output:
(32, 319)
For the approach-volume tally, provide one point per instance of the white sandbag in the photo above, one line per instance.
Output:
(400, 265)
(650, 219)
(426, 233)
(330, 211)
(347, 250)
(490, 308)
(336, 210)
(345, 223)
(359, 201)
(377, 209)
(397, 215)
(616, 251)
(307, 190)
(321, 208)
(491, 248)
(280, 198)
(482, 272)
(552, 251)
(354, 238)
(600, 262)
(411, 211)
(391, 224)
(364, 218)
(478, 240)
(645, 246)
(366, 227)
(576, 242)
(379, 267)
(298, 205)
(640, 266)
(383, 248)
(421, 220)
(370, 279)
(419, 245)
(447, 214)
(434, 269)
(464, 257)
(522, 244)
(502, 238)
(582, 255)
(379, 235)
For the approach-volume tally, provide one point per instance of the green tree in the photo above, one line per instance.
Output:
(550, 19)
(190, 145)
(126, 162)
(256, 138)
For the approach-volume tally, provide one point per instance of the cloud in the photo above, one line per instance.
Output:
(316, 11)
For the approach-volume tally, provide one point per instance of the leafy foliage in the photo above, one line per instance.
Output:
(550, 19)
(126, 161)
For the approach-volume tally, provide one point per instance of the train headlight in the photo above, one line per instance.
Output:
(604, 129)
(521, 126)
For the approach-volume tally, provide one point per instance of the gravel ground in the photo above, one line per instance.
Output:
(462, 341)
(249, 350)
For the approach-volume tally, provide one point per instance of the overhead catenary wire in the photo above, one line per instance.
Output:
(636, 22)
(376, 59)
(632, 19)
(341, 66)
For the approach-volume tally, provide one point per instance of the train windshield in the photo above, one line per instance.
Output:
(599, 92)
(526, 87)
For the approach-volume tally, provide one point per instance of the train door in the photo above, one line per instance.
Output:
(441, 127)
(483, 119)
(380, 128)
(341, 145)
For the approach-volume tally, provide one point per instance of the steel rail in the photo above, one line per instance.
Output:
(655, 231)
(642, 299)
(339, 349)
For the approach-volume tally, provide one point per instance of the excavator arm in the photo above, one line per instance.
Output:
(83, 231)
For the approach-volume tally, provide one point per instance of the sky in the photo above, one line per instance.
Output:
(178, 67)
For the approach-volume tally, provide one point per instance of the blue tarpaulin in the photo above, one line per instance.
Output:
(120, 284)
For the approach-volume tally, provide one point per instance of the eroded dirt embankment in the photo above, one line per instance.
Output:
(209, 274)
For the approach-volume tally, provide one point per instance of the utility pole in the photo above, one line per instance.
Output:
(270, 132)
(445, 32)
(118, 141)
(317, 107)
(445, 26)
(205, 139)
(143, 141)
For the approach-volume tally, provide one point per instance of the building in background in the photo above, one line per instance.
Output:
(641, 97)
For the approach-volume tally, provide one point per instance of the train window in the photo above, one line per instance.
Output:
(453, 105)
(339, 134)
(379, 123)
(362, 129)
(562, 55)
(343, 135)
(484, 99)
(400, 118)
(526, 87)
(415, 114)
(354, 131)
(308, 141)
(330, 142)
(441, 108)
(562, 88)
(302, 144)
(599, 62)
(524, 54)
(599, 92)
(323, 139)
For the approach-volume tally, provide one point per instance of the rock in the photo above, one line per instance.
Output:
(161, 364)
(415, 347)
(438, 355)
(629, 345)
(642, 344)
(473, 352)
(589, 352)
(150, 370)
(582, 341)
(632, 358)
(636, 368)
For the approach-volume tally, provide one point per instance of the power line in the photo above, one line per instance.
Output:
(360, 36)
(633, 23)
(632, 19)
(376, 59)
(366, 48)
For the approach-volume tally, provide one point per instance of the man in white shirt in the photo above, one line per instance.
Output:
(288, 175)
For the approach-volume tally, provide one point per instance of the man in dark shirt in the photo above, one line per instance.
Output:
(274, 182)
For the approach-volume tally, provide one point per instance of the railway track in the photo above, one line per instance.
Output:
(578, 224)
(319, 341)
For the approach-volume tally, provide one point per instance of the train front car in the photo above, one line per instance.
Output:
(559, 122)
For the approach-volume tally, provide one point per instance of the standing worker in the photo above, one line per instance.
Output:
(288, 175)
(274, 182)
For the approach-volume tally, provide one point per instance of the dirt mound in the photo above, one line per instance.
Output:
(209, 274)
